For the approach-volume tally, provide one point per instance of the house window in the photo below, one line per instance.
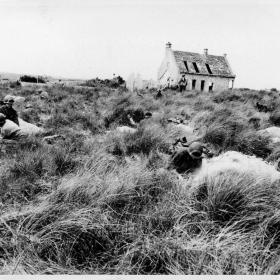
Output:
(202, 85)
(195, 67)
(186, 65)
(211, 85)
(193, 84)
(208, 68)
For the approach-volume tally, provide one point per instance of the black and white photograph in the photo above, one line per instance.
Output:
(139, 137)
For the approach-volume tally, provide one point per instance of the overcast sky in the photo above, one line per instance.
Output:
(90, 38)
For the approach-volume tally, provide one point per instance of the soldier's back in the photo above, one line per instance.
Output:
(182, 162)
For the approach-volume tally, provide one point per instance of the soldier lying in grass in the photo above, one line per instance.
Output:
(12, 133)
(189, 157)
(7, 109)
(9, 129)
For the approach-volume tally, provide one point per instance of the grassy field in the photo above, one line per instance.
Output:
(100, 202)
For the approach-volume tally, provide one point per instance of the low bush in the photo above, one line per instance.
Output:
(275, 118)
(114, 83)
(254, 122)
(252, 143)
(143, 141)
(224, 134)
(120, 116)
(31, 79)
(274, 155)
(227, 96)
(236, 198)
(234, 136)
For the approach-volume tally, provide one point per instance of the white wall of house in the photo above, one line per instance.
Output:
(168, 69)
(219, 84)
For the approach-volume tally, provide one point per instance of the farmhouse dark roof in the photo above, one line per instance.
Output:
(218, 64)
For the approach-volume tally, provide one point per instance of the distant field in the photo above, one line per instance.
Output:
(11, 77)
(102, 202)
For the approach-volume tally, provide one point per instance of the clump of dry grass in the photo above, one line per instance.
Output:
(237, 198)
(228, 96)
(228, 130)
(74, 226)
(143, 141)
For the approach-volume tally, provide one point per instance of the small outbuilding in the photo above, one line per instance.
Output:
(203, 72)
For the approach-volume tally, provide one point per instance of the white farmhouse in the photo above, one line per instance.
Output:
(204, 72)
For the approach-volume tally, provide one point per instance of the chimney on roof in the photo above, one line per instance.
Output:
(168, 45)
(205, 51)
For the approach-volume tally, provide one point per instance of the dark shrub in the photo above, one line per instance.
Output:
(255, 122)
(114, 83)
(275, 155)
(16, 84)
(120, 116)
(251, 143)
(31, 79)
(223, 135)
(228, 95)
(275, 118)
(220, 116)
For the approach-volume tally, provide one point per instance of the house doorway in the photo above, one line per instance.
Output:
(193, 84)
(202, 85)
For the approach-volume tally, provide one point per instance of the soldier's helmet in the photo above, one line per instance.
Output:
(196, 150)
(8, 99)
